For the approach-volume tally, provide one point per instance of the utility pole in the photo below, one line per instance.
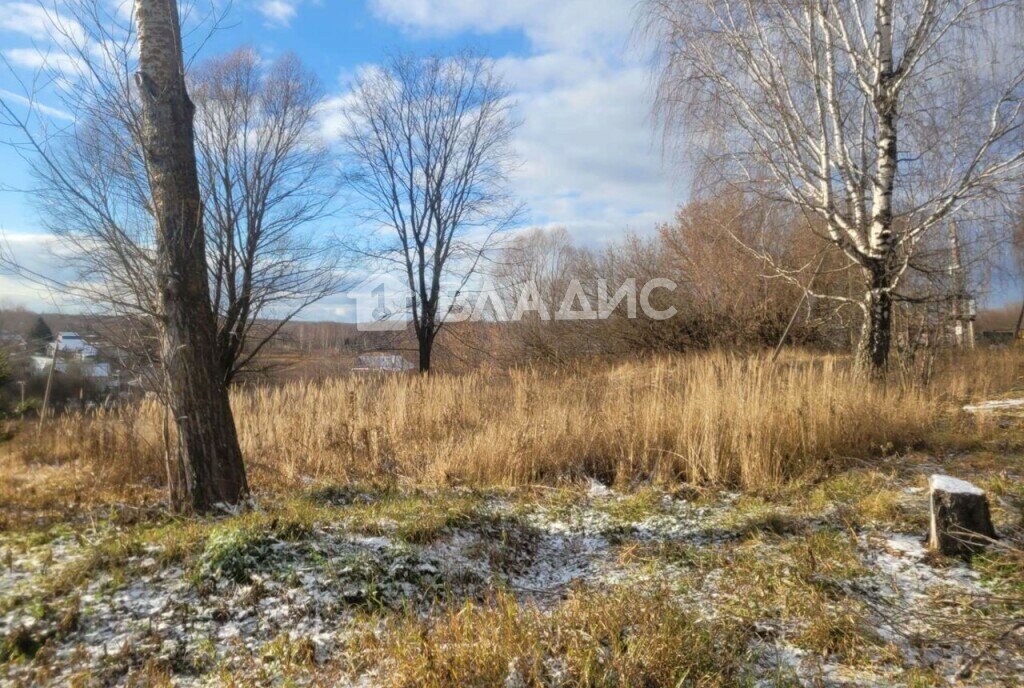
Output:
(49, 384)
(962, 307)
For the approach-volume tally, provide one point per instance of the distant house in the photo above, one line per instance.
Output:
(41, 364)
(382, 363)
(73, 345)
(93, 370)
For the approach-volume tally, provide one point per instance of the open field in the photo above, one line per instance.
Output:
(511, 344)
(710, 521)
(721, 419)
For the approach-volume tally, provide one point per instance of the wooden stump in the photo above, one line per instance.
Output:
(961, 523)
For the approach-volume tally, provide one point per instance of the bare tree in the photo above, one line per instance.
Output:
(880, 118)
(429, 141)
(123, 176)
(735, 296)
(1017, 261)
(211, 459)
(542, 262)
(266, 177)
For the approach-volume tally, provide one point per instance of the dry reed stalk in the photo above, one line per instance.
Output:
(715, 418)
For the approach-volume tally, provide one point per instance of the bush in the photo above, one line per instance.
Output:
(5, 367)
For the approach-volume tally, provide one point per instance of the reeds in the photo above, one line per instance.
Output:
(717, 418)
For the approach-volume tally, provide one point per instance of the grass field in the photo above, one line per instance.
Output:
(708, 521)
(720, 419)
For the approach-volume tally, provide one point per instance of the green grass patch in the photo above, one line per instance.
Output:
(798, 583)
(865, 497)
(634, 507)
(414, 518)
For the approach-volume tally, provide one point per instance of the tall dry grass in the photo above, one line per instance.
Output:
(716, 418)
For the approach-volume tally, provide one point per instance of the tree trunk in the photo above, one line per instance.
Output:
(876, 336)
(1020, 321)
(426, 348)
(207, 441)
(961, 523)
(876, 333)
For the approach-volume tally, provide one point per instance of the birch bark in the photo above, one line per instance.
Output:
(848, 112)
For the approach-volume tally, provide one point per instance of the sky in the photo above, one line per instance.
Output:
(590, 159)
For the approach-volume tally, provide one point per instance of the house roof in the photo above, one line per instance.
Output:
(72, 341)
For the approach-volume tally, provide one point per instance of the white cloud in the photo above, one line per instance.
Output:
(278, 12)
(41, 23)
(17, 293)
(47, 61)
(57, 41)
(36, 106)
(24, 18)
(331, 116)
(37, 253)
(562, 25)
(587, 143)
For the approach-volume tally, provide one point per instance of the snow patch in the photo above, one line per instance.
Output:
(994, 405)
(947, 483)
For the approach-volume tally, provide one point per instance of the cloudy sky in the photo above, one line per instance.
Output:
(589, 158)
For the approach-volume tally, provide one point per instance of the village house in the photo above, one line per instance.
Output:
(72, 345)
(94, 370)
(74, 356)
(382, 363)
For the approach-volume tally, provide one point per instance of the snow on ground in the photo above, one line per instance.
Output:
(210, 614)
(995, 405)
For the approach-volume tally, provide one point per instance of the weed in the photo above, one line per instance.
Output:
(634, 507)
(798, 585)
(290, 652)
(241, 547)
(414, 518)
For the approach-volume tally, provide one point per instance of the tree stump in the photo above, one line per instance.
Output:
(961, 524)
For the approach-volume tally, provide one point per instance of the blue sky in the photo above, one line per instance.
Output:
(590, 160)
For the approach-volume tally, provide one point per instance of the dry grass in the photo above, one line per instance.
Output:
(717, 419)
(594, 638)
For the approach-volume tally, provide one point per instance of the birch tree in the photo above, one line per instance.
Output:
(429, 149)
(881, 119)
